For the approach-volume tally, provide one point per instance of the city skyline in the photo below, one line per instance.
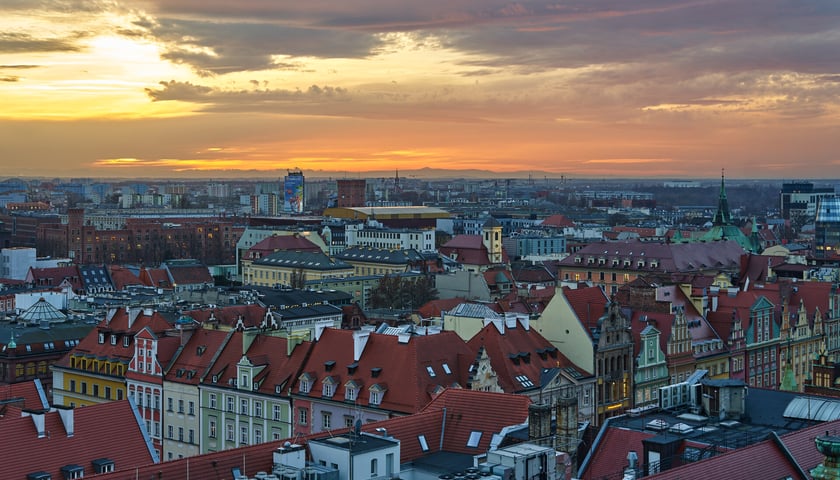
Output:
(216, 89)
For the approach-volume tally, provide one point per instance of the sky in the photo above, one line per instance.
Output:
(252, 88)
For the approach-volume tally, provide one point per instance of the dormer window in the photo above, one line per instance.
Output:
(377, 391)
(113, 339)
(328, 387)
(126, 340)
(351, 391)
(101, 337)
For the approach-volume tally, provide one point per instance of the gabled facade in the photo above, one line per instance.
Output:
(651, 368)
(95, 371)
(614, 365)
(244, 396)
(181, 415)
(511, 357)
(144, 377)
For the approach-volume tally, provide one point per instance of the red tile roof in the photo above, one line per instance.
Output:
(533, 354)
(190, 274)
(94, 429)
(155, 277)
(266, 351)
(403, 366)
(122, 277)
(466, 411)
(195, 360)
(610, 456)
(469, 250)
(557, 220)
(251, 315)
(275, 243)
(588, 303)
(24, 395)
(53, 276)
(434, 308)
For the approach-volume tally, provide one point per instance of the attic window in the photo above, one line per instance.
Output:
(103, 465)
(328, 365)
(514, 358)
(38, 476)
(71, 472)
(113, 339)
(101, 337)
(475, 437)
(424, 446)
(126, 340)
(374, 372)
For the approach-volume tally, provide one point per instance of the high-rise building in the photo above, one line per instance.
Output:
(827, 228)
(351, 192)
(293, 192)
(800, 199)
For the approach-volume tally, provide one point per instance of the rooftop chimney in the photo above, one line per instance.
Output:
(66, 414)
(360, 338)
(38, 420)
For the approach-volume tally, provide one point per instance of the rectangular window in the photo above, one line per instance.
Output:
(169, 403)
(192, 408)
(258, 408)
(180, 434)
(326, 420)
(213, 400)
(243, 406)
(276, 413)
(303, 415)
(180, 406)
(230, 404)
(170, 432)
(243, 435)
(212, 427)
(192, 436)
(229, 434)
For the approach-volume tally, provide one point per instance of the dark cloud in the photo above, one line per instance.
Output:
(24, 43)
(9, 79)
(224, 47)
(243, 99)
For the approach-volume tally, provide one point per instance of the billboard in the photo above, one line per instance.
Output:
(293, 192)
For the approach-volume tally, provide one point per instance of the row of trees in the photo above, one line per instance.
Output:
(400, 293)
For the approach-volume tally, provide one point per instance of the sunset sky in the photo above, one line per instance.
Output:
(251, 88)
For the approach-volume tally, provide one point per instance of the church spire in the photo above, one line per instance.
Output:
(722, 217)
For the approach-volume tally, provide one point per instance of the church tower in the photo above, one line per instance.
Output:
(492, 240)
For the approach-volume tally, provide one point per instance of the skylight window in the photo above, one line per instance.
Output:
(446, 369)
(475, 437)
(525, 381)
(423, 444)
(430, 370)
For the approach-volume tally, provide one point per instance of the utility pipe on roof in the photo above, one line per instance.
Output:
(442, 429)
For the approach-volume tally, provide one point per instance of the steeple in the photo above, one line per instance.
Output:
(722, 216)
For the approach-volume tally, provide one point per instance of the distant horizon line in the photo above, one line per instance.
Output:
(413, 174)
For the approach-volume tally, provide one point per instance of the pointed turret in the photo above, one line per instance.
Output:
(722, 217)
